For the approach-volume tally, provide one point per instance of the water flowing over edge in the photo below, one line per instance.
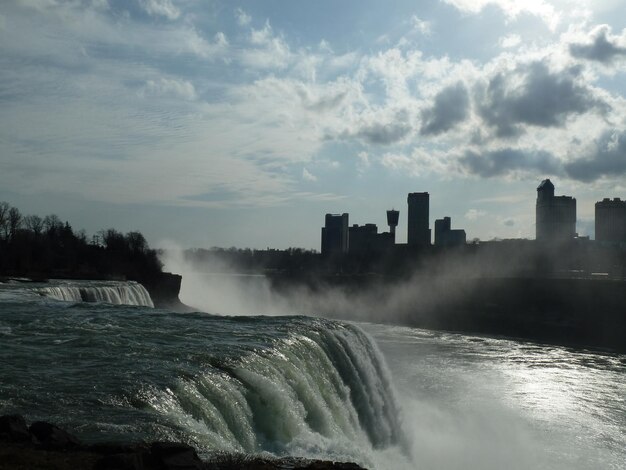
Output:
(117, 293)
(323, 392)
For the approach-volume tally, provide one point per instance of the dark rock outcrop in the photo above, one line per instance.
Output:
(52, 437)
(13, 428)
(164, 289)
(45, 446)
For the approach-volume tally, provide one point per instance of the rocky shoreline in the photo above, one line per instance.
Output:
(45, 446)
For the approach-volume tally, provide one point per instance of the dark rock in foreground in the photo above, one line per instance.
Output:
(47, 447)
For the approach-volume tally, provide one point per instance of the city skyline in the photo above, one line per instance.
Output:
(242, 123)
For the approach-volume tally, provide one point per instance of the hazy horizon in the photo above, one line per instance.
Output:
(243, 123)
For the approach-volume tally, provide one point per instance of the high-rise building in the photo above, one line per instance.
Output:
(363, 238)
(611, 221)
(418, 221)
(555, 215)
(445, 236)
(335, 234)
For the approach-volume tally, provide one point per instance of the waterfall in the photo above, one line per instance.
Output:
(118, 293)
(325, 390)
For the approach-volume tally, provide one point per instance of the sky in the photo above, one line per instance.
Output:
(225, 123)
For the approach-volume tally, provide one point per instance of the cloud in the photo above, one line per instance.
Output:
(506, 161)
(385, 133)
(243, 18)
(419, 162)
(509, 222)
(163, 8)
(606, 157)
(171, 88)
(324, 103)
(533, 95)
(308, 176)
(450, 108)
(474, 214)
(602, 46)
(512, 8)
(420, 25)
(268, 52)
(511, 40)
(380, 131)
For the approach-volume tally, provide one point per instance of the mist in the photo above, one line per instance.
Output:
(427, 291)
(454, 410)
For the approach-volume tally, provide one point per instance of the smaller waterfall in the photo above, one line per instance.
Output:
(117, 293)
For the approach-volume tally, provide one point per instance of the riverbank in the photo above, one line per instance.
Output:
(44, 446)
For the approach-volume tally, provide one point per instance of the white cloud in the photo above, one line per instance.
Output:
(308, 176)
(268, 51)
(243, 18)
(509, 41)
(513, 8)
(473, 214)
(420, 25)
(163, 8)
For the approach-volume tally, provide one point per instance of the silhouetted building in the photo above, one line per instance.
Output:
(611, 221)
(418, 219)
(445, 236)
(335, 234)
(366, 239)
(555, 215)
(362, 237)
(392, 220)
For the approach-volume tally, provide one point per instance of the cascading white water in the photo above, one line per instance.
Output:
(118, 293)
(323, 392)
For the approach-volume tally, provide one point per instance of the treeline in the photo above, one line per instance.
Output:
(246, 260)
(503, 258)
(37, 247)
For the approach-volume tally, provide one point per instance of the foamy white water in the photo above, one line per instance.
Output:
(471, 402)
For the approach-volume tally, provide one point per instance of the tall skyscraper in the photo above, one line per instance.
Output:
(335, 234)
(418, 228)
(611, 221)
(555, 215)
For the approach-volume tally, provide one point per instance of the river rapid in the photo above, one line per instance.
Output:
(98, 359)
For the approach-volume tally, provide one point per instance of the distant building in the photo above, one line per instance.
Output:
(418, 219)
(366, 239)
(555, 215)
(445, 236)
(392, 220)
(335, 234)
(362, 237)
(611, 221)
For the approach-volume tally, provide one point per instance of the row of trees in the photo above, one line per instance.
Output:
(47, 247)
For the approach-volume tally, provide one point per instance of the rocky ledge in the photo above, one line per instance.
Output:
(46, 446)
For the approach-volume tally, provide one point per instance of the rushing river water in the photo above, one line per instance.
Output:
(383, 396)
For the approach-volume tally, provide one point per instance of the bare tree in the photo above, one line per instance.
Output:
(34, 223)
(136, 242)
(52, 223)
(4, 219)
(15, 221)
